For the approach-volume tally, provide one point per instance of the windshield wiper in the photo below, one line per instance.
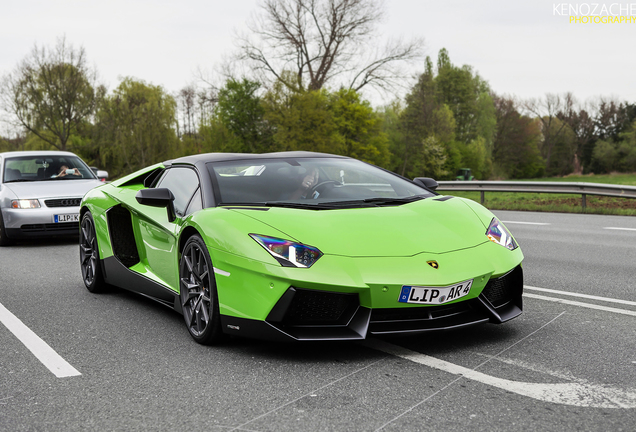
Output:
(393, 201)
(298, 205)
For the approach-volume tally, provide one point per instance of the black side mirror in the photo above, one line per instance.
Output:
(427, 182)
(160, 197)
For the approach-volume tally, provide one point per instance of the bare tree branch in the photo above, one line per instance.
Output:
(319, 40)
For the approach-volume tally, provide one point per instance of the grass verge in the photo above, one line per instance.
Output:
(555, 203)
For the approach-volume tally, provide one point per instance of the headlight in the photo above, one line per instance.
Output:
(498, 233)
(288, 253)
(25, 204)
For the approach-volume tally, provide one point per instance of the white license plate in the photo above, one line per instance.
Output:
(66, 218)
(434, 295)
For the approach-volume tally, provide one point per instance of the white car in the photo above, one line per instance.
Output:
(40, 193)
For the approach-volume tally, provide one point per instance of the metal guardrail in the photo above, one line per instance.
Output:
(583, 189)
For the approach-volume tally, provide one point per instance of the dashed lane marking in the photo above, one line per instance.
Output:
(40, 349)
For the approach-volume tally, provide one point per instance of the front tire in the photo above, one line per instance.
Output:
(89, 256)
(198, 293)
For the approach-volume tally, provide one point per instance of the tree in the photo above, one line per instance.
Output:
(426, 121)
(547, 110)
(319, 40)
(301, 120)
(52, 93)
(241, 111)
(359, 128)
(135, 127)
(515, 148)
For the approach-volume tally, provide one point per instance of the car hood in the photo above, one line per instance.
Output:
(428, 225)
(52, 188)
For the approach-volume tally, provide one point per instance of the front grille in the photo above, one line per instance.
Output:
(64, 202)
(65, 226)
(310, 307)
(501, 290)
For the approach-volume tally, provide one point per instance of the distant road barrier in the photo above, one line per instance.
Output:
(582, 189)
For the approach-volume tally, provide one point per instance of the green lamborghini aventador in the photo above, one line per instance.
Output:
(299, 246)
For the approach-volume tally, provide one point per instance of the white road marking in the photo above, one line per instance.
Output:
(525, 223)
(40, 349)
(586, 305)
(575, 394)
(587, 296)
(617, 228)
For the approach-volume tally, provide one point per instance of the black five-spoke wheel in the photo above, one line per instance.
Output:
(198, 293)
(89, 255)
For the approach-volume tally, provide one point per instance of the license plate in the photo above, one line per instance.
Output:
(66, 218)
(434, 295)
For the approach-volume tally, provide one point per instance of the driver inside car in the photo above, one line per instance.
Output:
(64, 171)
(307, 182)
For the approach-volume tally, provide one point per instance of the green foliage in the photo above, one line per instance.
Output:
(240, 110)
(216, 137)
(425, 122)
(516, 145)
(359, 128)
(302, 120)
(452, 109)
(134, 127)
(618, 155)
(563, 149)
(52, 93)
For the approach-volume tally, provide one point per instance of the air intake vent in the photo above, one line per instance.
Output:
(122, 236)
(320, 308)
(501, 290)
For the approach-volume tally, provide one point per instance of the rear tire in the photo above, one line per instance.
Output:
(198, 293)
(90, 264)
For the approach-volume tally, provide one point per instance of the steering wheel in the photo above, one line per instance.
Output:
(321, 184)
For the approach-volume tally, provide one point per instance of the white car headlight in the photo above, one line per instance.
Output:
(25, 204)
(498, 233)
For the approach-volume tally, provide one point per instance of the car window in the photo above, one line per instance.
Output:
(195, 203)
(45, 168)
(321, 180)
(183, 183)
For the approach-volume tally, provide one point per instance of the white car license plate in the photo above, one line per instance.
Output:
(66, 218)
(434, 295)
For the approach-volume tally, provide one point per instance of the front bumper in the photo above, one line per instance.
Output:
(38, 222)
(320, 315)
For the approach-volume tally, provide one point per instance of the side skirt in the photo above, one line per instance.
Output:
(115, 273)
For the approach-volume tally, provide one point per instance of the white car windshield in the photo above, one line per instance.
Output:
(310, 182)
(45, 168)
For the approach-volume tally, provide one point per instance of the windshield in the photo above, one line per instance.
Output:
(45, 168)
(310, 182)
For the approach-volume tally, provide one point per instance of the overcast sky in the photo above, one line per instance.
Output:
(520, 48)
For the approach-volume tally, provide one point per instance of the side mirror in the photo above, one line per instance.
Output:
(102, 175)
(427, 182)
(160, 197)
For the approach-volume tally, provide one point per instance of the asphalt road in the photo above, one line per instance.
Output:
(567, 363)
